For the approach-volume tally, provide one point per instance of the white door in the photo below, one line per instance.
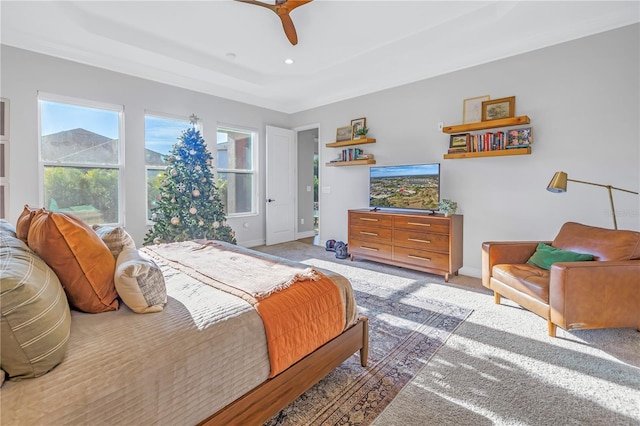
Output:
(281, 176)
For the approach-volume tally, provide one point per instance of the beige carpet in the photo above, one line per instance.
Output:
(499, 366)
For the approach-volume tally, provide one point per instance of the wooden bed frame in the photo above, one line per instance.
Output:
(260, 404)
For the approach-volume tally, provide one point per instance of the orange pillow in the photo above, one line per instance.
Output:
(24, 221)
(80, 259)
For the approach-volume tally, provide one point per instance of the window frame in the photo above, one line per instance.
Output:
(254, 171)
(120, 166)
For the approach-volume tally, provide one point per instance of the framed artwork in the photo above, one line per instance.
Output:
(472, 109)
(519, 138)
(344, 133)
(459, 142)
(357, 124)
(4, 119)
(498, 108)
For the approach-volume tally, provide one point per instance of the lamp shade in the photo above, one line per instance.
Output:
(558, 183)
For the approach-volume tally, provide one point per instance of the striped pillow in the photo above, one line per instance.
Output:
(115, 237)
(36, 320)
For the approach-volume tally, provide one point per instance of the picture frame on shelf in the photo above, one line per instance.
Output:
(357, 124)
(519, 138)
(496, 109)
(4, 119)
(344, 133)
(459, 142)
(472, 109)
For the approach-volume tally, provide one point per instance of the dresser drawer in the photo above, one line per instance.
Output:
(421, 258)
(421, 240)
(369, 219)
(422, 223)
(371, 233)
(369, 248)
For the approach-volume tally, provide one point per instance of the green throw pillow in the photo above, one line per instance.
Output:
(546, 255)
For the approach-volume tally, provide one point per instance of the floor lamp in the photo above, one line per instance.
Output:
(559, 184)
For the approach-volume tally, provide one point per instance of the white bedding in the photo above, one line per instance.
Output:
(161, 368)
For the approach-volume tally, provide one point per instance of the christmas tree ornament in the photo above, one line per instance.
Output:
(181, 187)
(216, 224)
(175, 220)
(195, 193)
(173, 201)
(198, 168)
(192, 152)
(203, 180)
(174, 172)
(193, 210)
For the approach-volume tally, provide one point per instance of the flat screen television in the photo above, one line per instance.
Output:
(414, 187)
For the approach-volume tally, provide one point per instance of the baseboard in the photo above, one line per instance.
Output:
(470, 272)
(252, 243)
(305, 234)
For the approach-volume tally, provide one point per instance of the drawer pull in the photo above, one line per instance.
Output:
(428, 259)
(419, 224)
(368, 248)
(419, 241)
(369, 219)
(375, 234)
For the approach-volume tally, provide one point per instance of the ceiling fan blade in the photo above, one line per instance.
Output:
(259, 3)
(292, 4)
(289, 29)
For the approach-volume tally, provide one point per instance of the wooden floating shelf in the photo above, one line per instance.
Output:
(497, 153)
(482, 125)
(350, 163)
(350, 142)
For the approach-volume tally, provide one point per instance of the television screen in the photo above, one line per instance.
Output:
(414, 186)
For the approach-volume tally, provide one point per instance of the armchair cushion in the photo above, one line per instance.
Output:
(545, 256)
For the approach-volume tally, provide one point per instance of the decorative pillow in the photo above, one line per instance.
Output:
(78, 256)
(115, 237)
(139, 282)
(24, 221)
(36, 320)
(546, 255)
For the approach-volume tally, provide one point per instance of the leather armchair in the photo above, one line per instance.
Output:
(604, 293)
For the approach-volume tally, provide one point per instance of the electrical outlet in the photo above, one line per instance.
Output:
(440, 125)
(301, 221)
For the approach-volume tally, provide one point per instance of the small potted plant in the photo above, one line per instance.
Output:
(448, 207)
(362, 132)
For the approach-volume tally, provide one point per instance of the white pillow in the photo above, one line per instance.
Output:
(139, 282)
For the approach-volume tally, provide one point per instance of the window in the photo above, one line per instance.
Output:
(81, 149)
(160, 134)
(236, 171)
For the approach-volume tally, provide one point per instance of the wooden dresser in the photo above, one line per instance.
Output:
(422, 241)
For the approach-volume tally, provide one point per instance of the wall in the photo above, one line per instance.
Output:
(583, 100)
(25, 73)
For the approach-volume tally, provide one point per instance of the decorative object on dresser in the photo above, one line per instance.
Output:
(448, 207)
(558, 184)
(414, 240)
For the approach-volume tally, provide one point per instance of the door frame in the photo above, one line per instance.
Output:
(301, 129)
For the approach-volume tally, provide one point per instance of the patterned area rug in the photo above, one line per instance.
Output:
(405, 331)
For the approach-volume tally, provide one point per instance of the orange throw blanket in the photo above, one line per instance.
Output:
(301, 308)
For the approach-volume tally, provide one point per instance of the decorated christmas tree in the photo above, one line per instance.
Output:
(189, 205)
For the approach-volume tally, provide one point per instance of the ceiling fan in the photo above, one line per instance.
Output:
(282, 8)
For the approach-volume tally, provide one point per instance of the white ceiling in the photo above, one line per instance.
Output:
(345, 48)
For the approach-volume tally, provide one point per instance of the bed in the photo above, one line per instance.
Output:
(203, 359)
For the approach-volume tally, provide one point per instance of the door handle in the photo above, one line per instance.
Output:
(269, 200)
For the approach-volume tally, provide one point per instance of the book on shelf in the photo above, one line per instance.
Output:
(495, 141)
(351, 154)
